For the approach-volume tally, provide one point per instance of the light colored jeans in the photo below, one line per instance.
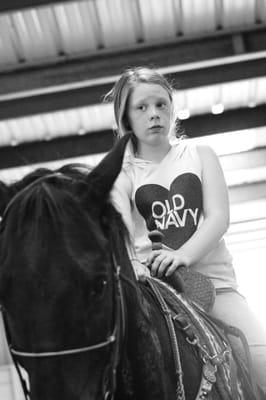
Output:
(233, 309)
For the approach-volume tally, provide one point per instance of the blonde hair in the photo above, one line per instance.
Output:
(122, 90)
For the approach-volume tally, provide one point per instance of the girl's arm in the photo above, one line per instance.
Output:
(213, 227)
(121, 199)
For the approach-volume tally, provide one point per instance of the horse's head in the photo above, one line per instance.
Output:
(57, 280)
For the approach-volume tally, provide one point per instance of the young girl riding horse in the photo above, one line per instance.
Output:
(178, 188)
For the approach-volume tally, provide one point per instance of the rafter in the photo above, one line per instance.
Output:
(14, 107)
(96, 143)
(231, 120)
(15, 5)
(190, 62)
(56, 149)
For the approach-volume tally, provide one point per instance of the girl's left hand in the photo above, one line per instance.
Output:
(165, 262)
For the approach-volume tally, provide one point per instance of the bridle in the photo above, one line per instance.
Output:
(115, 339)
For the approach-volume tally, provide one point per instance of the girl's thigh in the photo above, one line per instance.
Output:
(233, 309)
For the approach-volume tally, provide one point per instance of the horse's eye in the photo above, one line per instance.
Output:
(97, 287)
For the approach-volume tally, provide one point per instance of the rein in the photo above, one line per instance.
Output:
(107, 342)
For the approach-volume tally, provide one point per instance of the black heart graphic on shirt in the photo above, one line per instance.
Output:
(173, 212)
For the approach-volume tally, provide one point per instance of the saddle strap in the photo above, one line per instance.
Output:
(180, 391)
(208, 377)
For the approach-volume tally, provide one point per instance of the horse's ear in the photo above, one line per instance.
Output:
(5, 196)
(102, 177)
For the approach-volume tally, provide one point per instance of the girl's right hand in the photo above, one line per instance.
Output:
(141, 271)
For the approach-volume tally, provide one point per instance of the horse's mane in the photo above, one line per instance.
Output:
(54, 201)
(50, 204)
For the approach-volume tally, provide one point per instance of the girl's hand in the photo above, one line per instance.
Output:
(141, 271)
(165, 262)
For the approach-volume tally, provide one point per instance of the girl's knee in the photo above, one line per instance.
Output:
(258, 355)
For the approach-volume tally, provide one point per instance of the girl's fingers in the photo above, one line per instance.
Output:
(155, 265)
(160, 265)
(171, 269)
(163, 267)
(152, 256)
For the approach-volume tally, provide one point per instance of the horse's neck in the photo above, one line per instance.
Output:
(147, 349)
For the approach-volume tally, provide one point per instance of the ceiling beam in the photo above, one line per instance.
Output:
(16, 5)
(56, 149)
(88, 95)
(100, 142)
(50, 102)
(228, 121)
(190, 62)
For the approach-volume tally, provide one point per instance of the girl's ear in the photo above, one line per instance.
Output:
(126, 123)
(102, 178)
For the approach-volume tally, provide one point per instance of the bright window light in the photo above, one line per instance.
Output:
(250, 270)
(234, 142)
(183, 114)
(217, 108)
(241, 176)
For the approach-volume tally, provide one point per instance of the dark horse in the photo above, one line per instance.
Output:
(77, 319)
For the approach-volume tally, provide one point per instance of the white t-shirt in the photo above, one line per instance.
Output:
(167, 196)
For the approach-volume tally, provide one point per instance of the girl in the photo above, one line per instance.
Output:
(176, 187)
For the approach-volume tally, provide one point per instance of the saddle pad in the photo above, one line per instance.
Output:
(196, 286)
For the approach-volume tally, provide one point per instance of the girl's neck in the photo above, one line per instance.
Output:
(154, 154)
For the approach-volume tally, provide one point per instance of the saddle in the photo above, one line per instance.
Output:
(220, 364)
(194, 285)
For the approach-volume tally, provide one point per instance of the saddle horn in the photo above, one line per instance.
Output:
(196, 286)
(175, 279)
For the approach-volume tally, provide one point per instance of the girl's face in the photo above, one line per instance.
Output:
(150, 113)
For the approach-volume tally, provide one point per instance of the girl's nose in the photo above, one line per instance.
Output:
(154, 113)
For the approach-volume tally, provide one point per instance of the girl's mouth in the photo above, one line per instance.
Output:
(155, 128)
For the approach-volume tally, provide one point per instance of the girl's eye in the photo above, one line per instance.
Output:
(141, 107)
(161, 105)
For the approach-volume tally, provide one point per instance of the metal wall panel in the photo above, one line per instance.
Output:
(34, 33)
(56, 124)
(8, 44)
(83, 27)
(117, 22)
(159, 19)
(238, 12)
(198, 16)
(78, 27)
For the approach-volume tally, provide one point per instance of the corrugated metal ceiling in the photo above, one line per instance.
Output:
(208, 99)
(62, 30)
